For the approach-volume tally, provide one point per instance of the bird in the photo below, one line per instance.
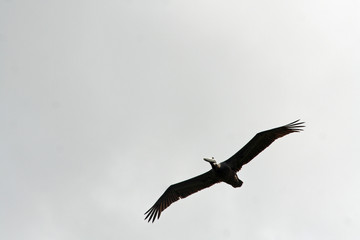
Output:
(221, 172)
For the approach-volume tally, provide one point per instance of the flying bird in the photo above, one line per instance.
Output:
(221, 172)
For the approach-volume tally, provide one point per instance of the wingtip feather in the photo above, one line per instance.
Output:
(296, 126)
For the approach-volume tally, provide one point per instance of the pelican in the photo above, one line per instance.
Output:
(221, 172)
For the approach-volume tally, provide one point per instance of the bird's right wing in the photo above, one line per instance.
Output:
(180, 190)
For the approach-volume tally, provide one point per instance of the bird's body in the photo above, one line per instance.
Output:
(221, 172)
(226, 174)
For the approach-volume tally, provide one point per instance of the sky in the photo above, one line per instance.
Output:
(104, 104)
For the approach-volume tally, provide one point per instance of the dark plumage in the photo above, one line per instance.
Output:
(221, 172)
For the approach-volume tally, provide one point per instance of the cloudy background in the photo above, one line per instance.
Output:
(104, 104)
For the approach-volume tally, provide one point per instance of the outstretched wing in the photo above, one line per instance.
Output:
(261, 141)
(181, 190)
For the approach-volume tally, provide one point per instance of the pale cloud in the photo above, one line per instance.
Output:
(105, 104)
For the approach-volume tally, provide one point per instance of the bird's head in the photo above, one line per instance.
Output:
(210, 160)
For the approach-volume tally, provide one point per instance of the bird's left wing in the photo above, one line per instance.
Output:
(261, 141)
(180, 190)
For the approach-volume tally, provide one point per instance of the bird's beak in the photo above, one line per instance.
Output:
(210, 160)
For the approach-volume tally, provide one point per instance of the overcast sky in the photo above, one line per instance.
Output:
(104, 104)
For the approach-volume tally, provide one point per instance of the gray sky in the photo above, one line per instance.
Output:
(104, 104)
